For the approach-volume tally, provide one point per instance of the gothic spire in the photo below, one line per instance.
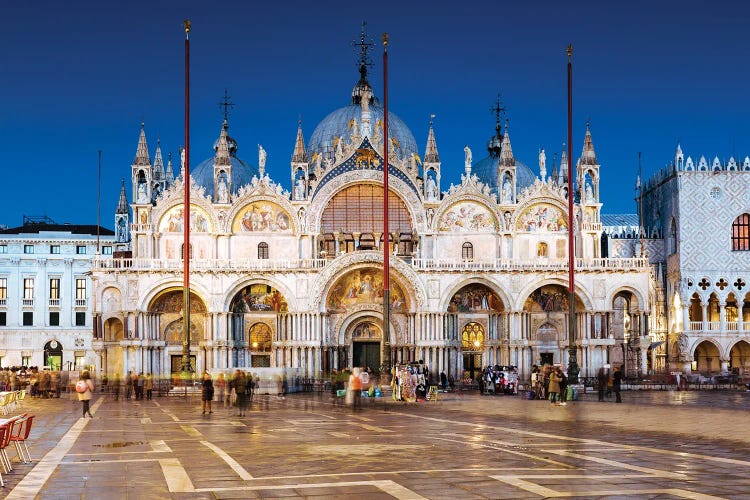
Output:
(563, 166)
(588, 156)
(141, 153)
(221, 158)
(169, 176)
(158, 162)
(299, 155)
(506, 152)
(122, 204)
(431, 152)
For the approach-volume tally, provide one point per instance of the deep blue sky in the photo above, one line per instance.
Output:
(79, 76)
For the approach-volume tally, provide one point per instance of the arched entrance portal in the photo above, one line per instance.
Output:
(739, 358)
(366, 344)
(706, 358)
(112, 355)
(53, 353)
(472, 345)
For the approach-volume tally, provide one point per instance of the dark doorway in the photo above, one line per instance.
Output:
(472, 365)
(367, 355)
(546, 358)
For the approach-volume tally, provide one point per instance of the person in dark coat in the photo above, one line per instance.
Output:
(601, 378)
(208, 392)
(617, 382)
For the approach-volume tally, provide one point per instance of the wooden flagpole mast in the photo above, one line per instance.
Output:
(572, 347)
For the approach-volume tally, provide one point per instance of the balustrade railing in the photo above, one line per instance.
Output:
(530, 264)
(54, 302)
(27, 302)
(197, 265)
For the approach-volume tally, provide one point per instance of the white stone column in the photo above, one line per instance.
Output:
(685, 318)
(722, 318)
(704, 310)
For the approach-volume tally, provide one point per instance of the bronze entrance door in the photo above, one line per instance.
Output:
(367, 354)
(473, 365)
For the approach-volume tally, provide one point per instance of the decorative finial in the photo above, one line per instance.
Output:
(498, 110)
(570, 52)
(588, 122)
(432, 118)
(226, 104)
(363, 45)
(186, 25)
(385, 41)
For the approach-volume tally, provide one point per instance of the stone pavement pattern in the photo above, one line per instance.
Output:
(656, 445)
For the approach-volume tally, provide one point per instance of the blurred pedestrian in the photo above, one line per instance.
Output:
(208, 392)
(84, 388)
(616, 384)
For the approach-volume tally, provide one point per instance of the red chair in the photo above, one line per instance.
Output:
(4, 432)
(20, 434)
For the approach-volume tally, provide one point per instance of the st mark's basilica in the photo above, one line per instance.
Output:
(479, 270)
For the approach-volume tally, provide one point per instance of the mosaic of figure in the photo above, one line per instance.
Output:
(174, 220)
(467, 216)
(363, 287)
(173, 302)
(475, 298)
(262, 216)
(258, 298)
(549, 298)
(542, 217)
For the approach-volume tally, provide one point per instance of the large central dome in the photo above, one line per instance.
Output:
(339, 124)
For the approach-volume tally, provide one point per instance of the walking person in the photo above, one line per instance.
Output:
(149, 386)
(616, 384)
(355, 385)
(239, 383)
(601, 379)
(221, 387)
(129, 385)
(554, 386)
(563, 388)
(208, 392)
(140, 383)
(84, 388)
(116, 386)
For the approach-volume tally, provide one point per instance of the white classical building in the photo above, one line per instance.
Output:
(45, 293)
(295, 279)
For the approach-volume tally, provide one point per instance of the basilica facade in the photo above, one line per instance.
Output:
(294, 278)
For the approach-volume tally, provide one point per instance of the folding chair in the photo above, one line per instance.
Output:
(20, 435)
(9, 425)
(3, 433)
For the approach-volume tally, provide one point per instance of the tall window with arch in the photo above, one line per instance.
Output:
(741, 233)
(467, 251)
(262, 250)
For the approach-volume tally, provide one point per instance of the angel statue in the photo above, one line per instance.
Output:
(261, 157)
(467, 155)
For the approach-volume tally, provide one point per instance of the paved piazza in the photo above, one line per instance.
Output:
(655, 445)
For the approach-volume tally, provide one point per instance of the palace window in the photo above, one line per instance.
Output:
(260, 337)
(107, 250)
(80, 319)
(741, 233)
(54, 318)
(28, 249)
(81, 249)
(28, 288)
(28, 318)
(54, 249)
(467, 251)
(3, 290)
(263, 250)
(3, 248)
(3, 319)
(54, 288)
(80, 289)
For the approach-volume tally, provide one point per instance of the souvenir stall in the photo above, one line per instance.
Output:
(409, 382)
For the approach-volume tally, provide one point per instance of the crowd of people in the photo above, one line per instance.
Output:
(38, 384)
(499, 379)
(550, 382)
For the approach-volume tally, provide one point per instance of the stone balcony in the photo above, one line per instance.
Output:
(434, 265)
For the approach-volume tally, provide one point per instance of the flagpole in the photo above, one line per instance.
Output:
(99, 205)
(186, 367)
(572, 347)
(386, 362)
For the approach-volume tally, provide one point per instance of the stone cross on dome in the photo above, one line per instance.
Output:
(226, 104)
